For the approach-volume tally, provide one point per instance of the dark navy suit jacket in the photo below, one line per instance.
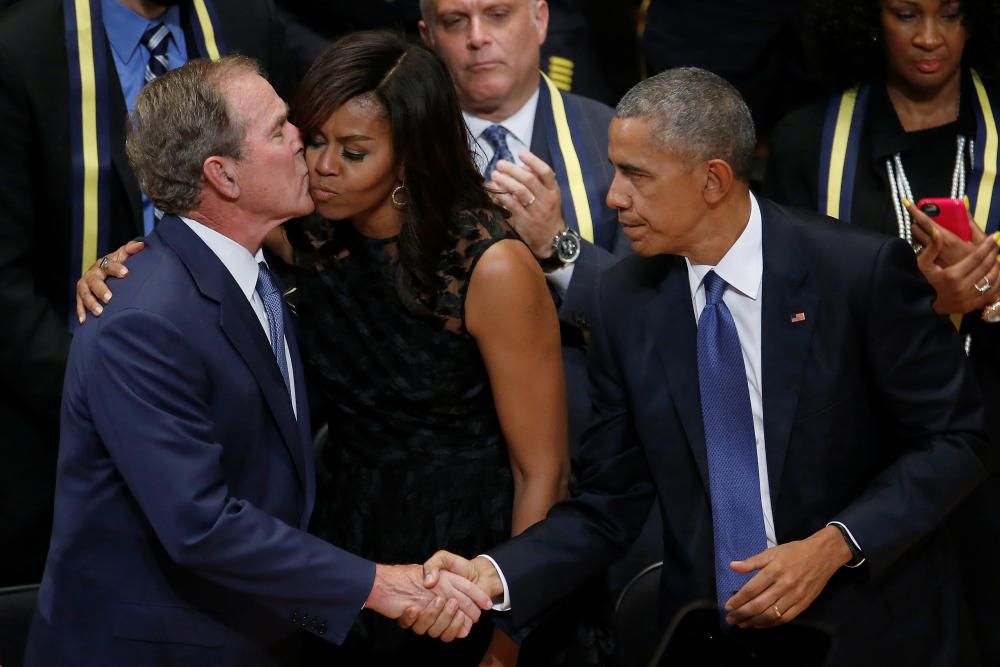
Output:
(870, 418)
(589, 121)
(185, 484)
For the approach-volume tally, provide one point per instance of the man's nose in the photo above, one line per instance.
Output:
(616, 198)
(479, 34)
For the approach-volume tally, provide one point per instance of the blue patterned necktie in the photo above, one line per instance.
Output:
(270, 296)
(156, 39)
(734, 482)
(496, 136)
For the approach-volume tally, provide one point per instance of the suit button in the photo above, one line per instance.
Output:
(581, 320)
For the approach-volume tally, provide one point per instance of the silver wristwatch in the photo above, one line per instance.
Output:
(566, 246)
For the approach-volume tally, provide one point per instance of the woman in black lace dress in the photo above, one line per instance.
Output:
(430, 340)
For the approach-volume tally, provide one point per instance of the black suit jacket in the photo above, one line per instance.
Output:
(35, 263)
(866, 421)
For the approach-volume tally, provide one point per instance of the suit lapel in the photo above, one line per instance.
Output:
(673, 328)
(788, 315)
(240, 325)
(540, 129)
(304, 419)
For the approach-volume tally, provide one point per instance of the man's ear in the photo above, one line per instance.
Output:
(220, 175)
(542, 20)
(719, 179)
(425, 34)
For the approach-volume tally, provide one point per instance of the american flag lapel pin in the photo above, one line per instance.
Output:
(798, 317)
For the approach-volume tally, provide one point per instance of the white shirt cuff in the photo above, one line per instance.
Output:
(505, 604)
(851, 537)
(560, 280)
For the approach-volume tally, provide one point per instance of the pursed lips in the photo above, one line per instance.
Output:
(322, 193)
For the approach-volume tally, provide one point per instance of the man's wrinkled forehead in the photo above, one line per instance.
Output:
(431, 9)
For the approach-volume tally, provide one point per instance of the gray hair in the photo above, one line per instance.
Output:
(698, 116)
(179, 121)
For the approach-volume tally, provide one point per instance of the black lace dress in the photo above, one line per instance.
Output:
(415, 460)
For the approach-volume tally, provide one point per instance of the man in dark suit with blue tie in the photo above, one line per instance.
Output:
(185, 480)
(781, 386)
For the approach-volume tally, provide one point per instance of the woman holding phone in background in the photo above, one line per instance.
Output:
(915, 117)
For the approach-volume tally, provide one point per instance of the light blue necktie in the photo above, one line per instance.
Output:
(496, 136)
(270, 296)
(734, 483)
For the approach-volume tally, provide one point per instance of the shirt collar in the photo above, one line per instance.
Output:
(237, 259)
(521, 123)
(124, 28)
(742, 267)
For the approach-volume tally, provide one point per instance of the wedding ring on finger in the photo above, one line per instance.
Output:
(777, 612)
(530, 201)
(985, 287)
(104, 263)
(917, 248)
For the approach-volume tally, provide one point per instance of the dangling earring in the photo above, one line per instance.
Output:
(399, 191)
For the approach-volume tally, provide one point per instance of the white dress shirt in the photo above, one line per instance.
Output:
(243, 268)
(520, 129)
(742, 267)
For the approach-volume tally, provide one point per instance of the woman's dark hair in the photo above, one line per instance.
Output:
(843, 39)
(429, 138)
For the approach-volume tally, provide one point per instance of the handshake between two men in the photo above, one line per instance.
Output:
(432, 600)
(445, 603)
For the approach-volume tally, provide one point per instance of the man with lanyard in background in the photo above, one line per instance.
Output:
(70, 71)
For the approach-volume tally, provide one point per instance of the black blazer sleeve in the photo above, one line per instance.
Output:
(923, 381)
(581, 536)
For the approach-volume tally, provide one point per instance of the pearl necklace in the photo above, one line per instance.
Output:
(900, 185)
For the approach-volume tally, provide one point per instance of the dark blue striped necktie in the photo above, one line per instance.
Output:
(156, 38)
(734, 482)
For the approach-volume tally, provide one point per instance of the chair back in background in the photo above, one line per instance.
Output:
(637, 618)
(17, 606)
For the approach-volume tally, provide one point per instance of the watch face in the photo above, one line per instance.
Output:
(568, 247)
